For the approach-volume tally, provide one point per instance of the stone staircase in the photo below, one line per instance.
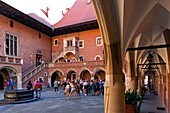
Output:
(56, 56)
(27, 76)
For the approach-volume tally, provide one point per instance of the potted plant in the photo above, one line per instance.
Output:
(132, 101)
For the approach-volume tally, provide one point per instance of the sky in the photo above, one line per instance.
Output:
(33, 6)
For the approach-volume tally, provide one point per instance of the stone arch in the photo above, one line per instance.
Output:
(55, 70)
(99, 73)
(85, 74)
(69, 56)
(84, 68)
(61, 59)
(9, 67)
(7, 73)
(70, 74)
(56, 74)
(97, 58)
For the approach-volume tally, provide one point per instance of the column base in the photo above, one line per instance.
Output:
(114, 99)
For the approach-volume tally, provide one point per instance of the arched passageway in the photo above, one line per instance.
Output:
(57, 75)
(99, 75)
(85, 75)
(7, 73)
(71, 75)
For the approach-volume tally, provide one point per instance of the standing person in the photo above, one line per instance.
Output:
(29, 85)
(5, 84)
(42, 62)
(39, 62)
(67, 90)
(85, 87)
(56, 86)
(73, 89)
(38, 89)
(64, 85)
(12, 82)
(93, 88)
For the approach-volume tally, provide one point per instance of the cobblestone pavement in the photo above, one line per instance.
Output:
(150, 104)
(52, 102)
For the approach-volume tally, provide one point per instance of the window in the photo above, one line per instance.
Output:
(99, 41)
(81, 58)
(98, 57)
(41, 80)
(81, 44)
(11, 23)
(56, 42)
(76, 44)
(11, 45)
(69, 43)
(39, 35)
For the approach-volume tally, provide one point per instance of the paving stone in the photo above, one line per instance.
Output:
(51, 102)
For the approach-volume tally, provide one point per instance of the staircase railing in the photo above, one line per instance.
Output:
(33, 72)
(61, 54)
(28, 69)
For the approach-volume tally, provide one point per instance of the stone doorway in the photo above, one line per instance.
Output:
(71, 75)
(56, 76)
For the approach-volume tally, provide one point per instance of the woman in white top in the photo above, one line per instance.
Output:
(73, 89)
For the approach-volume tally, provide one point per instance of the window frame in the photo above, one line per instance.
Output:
(55, 43)
(81, 58)
(11, 44)
(69, 43)
(82, 43)
(97, 41)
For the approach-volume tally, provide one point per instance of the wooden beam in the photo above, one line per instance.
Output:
(148, 47)
(153, 64)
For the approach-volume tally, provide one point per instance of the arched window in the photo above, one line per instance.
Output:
(98, 57)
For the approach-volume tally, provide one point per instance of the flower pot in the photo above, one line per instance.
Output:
(130, 108)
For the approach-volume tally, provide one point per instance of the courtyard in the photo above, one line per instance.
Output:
(52, 102)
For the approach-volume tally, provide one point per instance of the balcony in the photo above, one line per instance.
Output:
(71, 48)
(77, 64)
(10, 60)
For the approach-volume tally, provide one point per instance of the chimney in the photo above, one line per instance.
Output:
(63, 13)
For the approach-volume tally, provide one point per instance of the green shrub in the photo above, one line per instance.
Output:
(131, 97)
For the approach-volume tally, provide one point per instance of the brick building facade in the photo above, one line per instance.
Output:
(25, 41)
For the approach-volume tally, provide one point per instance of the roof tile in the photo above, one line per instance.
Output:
(80, 12)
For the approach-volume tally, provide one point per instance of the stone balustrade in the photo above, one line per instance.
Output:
(71, 48)
(77, 64)
(10, 59)
(33, 72)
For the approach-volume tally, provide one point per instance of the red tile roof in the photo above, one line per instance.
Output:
(80, 12)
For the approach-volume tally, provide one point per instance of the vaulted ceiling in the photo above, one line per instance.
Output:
(142, 23)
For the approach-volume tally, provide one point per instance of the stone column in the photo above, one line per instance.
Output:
(19, 80)
(156, 84)
(113, 102)
(133, 84)
(114, 97)
(49, 81)
(168, 101)
(139, 87)
(160, 87)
